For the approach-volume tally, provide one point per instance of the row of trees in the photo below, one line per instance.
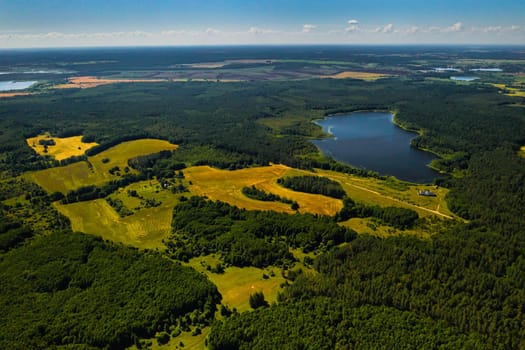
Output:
(260, 195)
(313, 184)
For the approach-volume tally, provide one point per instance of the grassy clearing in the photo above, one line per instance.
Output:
(145, 228)
(64, 147)
(236, 284)
(373, 227)
(226, 186)
(96, 170)
(368, 76)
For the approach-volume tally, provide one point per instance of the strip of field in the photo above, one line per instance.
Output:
(96, 170)
(62, 149)
(14, 94)
(226, 186)
(356, 75)
(91, 82)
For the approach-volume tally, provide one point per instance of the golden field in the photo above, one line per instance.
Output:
(91, 82)
(356, 75)
(64, 148)
(226, 186)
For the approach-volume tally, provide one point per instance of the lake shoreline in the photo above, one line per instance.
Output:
(376, 146)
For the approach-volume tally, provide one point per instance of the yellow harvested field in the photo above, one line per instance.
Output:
(64, 147)
(91, 82)
(144, 229)
(356, 75)
(226, 186)
(95, 171)
(510, 91)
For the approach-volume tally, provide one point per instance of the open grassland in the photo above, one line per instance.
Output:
(145, 228)
(236, 284)
(64, 147)
(91, 82)
(368, 76)
(226, 186)
(96, 170)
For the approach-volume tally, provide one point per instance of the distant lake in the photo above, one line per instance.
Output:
(370, 140)
(464, 78)
(15, 85)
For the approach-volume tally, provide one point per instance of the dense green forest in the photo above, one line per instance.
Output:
(464, 287)
(73, 289)
(248, 238)
(330, 323)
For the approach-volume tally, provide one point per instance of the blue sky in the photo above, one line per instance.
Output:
(32, 23)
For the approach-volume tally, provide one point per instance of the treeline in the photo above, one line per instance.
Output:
(329, 323)
(248, 238)
(401, 218)
(313, 184)
(260, 195)
(87, 193)
(73, 290)
(12, 233)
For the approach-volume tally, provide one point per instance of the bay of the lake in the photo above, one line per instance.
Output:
(371, 140)
(15, 85)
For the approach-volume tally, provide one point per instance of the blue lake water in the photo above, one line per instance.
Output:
(370, 140)
(15, 85)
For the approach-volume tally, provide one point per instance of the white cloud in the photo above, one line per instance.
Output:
(212, 31)
(307, 28)
(353, 22)
(456, 27)
(387, 28)
(262, 31)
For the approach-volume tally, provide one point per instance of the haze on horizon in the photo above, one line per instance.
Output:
(60, 23)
